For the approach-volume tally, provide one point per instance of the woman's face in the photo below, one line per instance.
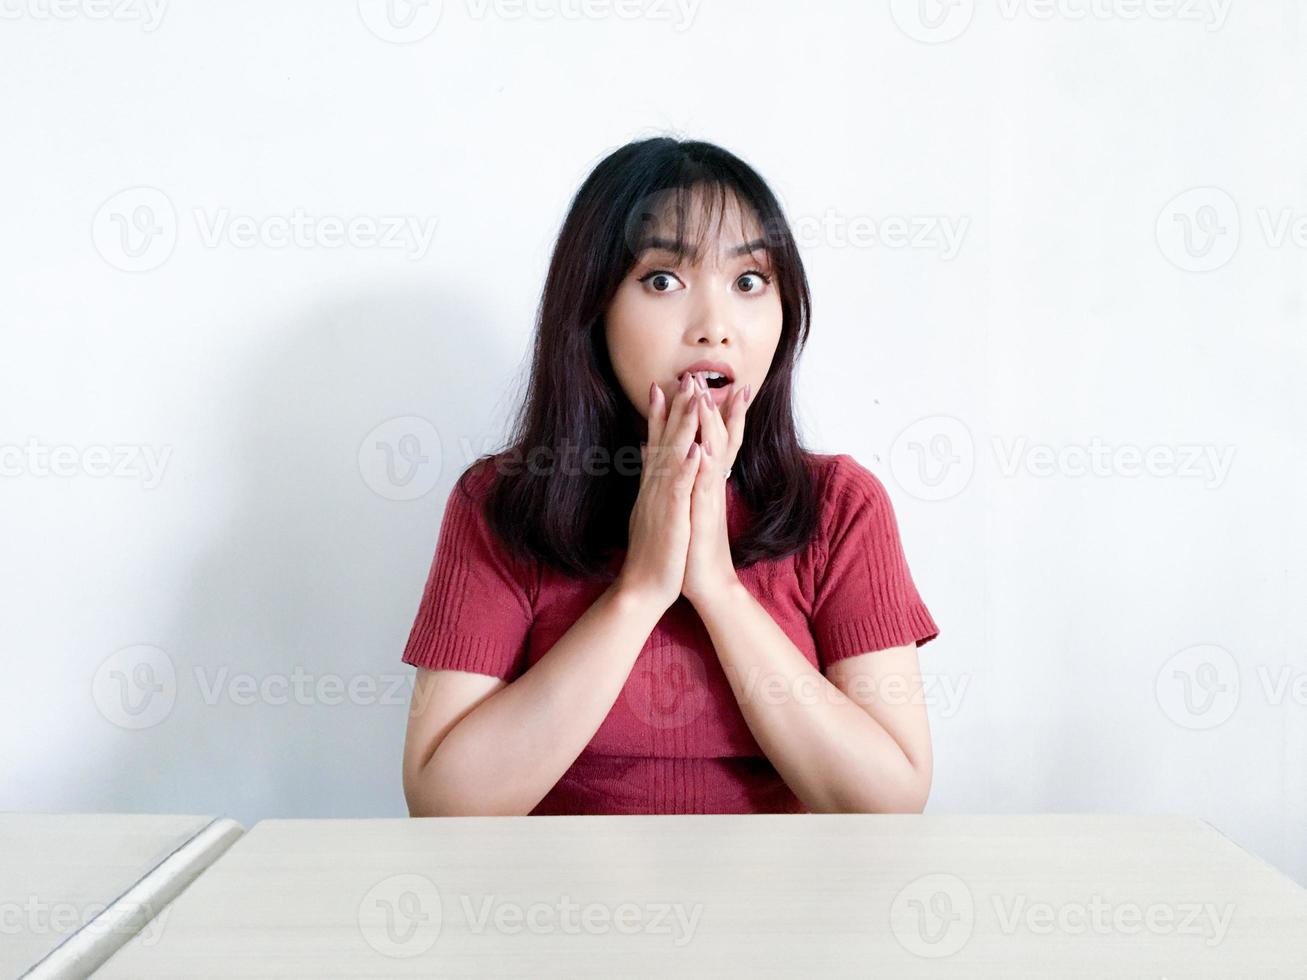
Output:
(718, 306)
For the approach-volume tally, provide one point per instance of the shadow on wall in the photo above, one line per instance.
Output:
(290, 696)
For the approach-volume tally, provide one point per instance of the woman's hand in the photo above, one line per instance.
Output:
(708, 567)
(659, 529)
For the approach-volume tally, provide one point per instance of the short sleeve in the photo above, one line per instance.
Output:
(475, 613)
(864, 597)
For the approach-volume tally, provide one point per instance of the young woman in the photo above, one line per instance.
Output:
(655, 600)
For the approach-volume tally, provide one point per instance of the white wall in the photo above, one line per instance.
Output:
(1071, 312)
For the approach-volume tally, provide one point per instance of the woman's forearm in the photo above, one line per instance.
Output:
(827, 748)
(506, 753)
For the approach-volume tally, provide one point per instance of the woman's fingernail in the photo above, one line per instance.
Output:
(707, 447)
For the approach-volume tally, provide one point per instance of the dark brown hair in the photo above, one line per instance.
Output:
(573, 519)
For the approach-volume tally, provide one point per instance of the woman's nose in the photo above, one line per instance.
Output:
(711, 316)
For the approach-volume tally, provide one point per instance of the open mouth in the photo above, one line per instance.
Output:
(714, 379)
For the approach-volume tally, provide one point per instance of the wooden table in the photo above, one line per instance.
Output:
(893, 896)
(74, 887)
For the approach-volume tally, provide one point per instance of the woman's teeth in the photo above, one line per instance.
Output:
(713, 379)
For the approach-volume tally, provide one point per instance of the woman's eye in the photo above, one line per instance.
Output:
(660, 281)
(753, 282)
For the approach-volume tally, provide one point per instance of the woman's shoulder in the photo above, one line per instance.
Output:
(468, 498)
(470, 504)
(477, 478)
(840, 474)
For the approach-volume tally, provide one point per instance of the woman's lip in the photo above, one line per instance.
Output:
(719, 395)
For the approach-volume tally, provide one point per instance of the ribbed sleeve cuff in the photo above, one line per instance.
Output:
(453, 651)
(894, 628)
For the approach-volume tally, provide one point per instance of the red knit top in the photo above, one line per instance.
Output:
(675, 741)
